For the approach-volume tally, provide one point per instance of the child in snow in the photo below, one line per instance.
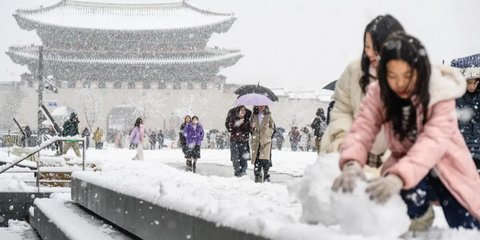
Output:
(430, 160)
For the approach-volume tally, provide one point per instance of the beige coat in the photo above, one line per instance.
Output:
(262, 136)
(98, 135)
(348, 96)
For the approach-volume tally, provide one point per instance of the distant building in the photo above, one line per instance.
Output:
(100, 45)
(115, 62)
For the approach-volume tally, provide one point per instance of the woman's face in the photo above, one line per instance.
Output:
(242, 112)
(187, 119)
(370, 51)
(195, 121)
(261, 108)
(472, 85)
(401, 78)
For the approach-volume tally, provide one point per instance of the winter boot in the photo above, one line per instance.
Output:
(189, 163)
(266, 178)
(194, 165)
(424, 222)
(258, 179)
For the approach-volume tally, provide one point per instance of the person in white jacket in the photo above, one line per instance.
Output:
(350, 89)
(352, 86)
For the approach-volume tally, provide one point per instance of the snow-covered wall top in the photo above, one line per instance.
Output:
(116, 16)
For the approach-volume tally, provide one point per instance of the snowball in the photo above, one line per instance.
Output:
(314, 192)
(357, 214)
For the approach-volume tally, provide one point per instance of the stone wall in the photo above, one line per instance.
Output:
(162, 108)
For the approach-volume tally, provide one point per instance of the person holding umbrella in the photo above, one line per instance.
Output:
(263, 128)
(239, 126)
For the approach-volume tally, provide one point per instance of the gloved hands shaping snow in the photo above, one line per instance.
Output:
(383, 188)
(350, 174)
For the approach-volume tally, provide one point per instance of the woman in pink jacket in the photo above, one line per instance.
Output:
(430, 160)
(136, 138)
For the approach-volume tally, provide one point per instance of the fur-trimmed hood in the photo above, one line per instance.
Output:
(445, 83)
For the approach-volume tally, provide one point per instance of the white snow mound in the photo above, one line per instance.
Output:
(357, 214)
(314, 192)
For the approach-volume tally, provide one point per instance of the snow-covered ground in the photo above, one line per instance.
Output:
(276, 211)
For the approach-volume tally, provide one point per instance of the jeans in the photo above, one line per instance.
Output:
(239, 155)
(431, 188)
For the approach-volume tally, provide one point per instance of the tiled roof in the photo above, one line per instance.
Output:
(122, 17)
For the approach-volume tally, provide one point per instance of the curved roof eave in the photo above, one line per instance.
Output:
(21, 15)
(29, 24)
(28, 57)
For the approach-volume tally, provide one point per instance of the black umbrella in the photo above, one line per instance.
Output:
(331, 86)
(246, 89)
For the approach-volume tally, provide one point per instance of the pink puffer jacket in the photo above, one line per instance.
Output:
(439, 145)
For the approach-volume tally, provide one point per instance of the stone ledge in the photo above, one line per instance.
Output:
(15, 205)
(147, 220)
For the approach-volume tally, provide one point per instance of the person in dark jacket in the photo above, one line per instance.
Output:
(329, 109)
(294, 136)
(182, 141)
(152, 139)
(86, 135)
(468, 107)
(27, 139)
(279, 138)
(160, 139)
(70, 128)
(239, 127)
(318, 126)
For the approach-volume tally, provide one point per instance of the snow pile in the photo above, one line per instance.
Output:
(357, 214)
(18, 230)
(313, 190)
(236, 202)
(354, 212)
(4, 155)
(12, 185)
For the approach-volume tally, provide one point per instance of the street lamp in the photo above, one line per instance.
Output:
(40, 93)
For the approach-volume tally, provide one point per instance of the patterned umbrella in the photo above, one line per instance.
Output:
(467, 62)
(254, 99)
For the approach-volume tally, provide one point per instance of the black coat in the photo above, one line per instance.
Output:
(318, 125)
(469, 121)
(238, 132)
(182, 140)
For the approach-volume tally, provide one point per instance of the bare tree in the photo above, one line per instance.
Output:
(11, 100)
(146, 106)
(90, 106)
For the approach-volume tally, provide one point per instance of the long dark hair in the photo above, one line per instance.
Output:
(379, 28)
(401, 46)
(138, 122)
(266, 111)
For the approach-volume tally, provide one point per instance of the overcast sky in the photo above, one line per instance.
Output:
(301, 44)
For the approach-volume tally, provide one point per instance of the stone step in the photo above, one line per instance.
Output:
(61, 219)
(15, 205)
(147, 220)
